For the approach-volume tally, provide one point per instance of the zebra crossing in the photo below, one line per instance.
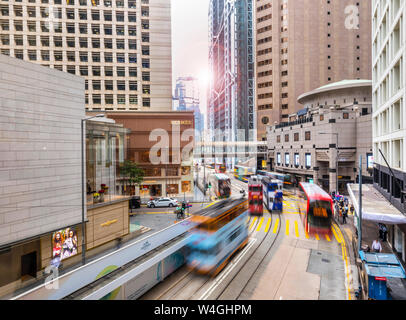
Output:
(290, 227)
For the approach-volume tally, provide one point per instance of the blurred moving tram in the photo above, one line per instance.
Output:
(221, 231)
(316, 208)
(255, 196)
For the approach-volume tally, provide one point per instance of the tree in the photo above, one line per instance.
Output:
(132, 174)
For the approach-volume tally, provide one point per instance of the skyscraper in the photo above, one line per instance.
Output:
(305, 44)
(122, 47)
(186, 98)
(231, 63)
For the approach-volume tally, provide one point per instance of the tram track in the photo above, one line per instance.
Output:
(268, 234)
(190, 276)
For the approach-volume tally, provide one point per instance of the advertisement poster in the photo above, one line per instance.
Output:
(64, 244)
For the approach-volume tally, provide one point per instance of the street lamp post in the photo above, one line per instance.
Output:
(336, 134)
(82, 125)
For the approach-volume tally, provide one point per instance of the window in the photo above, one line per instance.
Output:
(95, 43)
(121, 85)
(145, 63)
(346, 115)
(132, 72)
(96, 71)
(322, 117)
(120, 44)
(132, 44)
(307, 135)
(83, 56)
(265, 120)
(297, 160)
(296, 136)
(308, 160)
(71, 56)
(120, 72)
(108, 98)
(278, 139)
(108, 71)
(96, 84)
(287, 159)
(133, 99)
(108, 57)
(108, 43)
(146, 102)
(96, 57)
(146, 89)
(45, 55)
(286, 137)
(120, 57)
(146, 76)
(108, 84)
(70, 42)
(121, 99)
(133, 86)
(278, 159)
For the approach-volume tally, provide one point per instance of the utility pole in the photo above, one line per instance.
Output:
(360, 205)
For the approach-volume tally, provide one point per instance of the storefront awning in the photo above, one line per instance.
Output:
(374, 206)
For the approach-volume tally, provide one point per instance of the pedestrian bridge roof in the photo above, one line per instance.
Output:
(374, 206)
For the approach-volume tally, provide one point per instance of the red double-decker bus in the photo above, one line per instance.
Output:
(255, 196)
(316, 209)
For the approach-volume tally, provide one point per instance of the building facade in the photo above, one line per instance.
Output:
(167, 177)
(40, 173)
(121, 47)
(302, 45)
(333, 130)
(389, 108)
(231, 63)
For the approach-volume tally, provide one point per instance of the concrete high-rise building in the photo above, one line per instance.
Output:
(302, 45)
(231, 63)
(122, 48)
(389, 99)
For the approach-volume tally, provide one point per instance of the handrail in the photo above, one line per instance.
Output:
(84, 275)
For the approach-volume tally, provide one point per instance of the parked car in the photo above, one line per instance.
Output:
(162, 202)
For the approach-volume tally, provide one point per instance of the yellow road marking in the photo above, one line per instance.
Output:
(296, 230)
(317, 237)
(328, 238)
(335, 235)
(345, 258)
(253, 221)
(260, 224)
(287, 227)
(276, 225)
(268, 225)
(307, 235)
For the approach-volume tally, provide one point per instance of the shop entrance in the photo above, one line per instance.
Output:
(29, 266)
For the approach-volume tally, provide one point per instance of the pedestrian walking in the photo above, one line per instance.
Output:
(345, 215)
(376, 246)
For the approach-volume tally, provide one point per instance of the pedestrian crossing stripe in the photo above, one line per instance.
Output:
(253, 221)
(268, 225)
(260, 224)
(317, 236)
(287, 227)
(296, 230)
(276, 225)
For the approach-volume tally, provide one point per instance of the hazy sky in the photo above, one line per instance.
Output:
(190, 45)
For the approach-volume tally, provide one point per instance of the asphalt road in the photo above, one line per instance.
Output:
(280, 262)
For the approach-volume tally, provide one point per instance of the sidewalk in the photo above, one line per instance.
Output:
(370, 232)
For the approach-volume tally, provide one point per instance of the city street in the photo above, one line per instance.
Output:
(279, 262)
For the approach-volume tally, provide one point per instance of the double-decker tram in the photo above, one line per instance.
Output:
(220, 168)
(221, 230)
(287, 179)
(243, 173)
(221, 185)
(316, 208)
(273, 193)
(255, 196)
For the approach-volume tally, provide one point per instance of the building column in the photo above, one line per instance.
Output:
(333, 169)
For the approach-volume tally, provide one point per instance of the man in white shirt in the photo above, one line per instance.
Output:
(376, 246)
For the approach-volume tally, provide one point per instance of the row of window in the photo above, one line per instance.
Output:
(120, 44)
(131, 4)
(71, 14)
(49, 26)
(121, 85)
(70, 56)
(296, 137)
(296, 160)
(111, 99)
